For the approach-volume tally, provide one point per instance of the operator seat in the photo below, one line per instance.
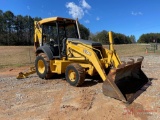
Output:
(64, 47)
(54, 47)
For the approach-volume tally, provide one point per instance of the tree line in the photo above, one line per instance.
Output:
(16, 29)
(123, 39)
(118, 38)
(149, 38)
(19, 30)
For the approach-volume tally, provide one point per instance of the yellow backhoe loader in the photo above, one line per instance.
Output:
(59, 49)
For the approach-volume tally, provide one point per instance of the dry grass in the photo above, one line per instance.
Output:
(16, 55)
(23, 55)
(134, 49)
(130, 50)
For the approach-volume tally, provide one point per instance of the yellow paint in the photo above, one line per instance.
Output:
(59, 66)
(72, 75)
(41, 66)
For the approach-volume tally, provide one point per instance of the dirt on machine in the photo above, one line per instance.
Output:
(60, 50)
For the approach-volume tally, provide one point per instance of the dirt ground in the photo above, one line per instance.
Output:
(36, 99)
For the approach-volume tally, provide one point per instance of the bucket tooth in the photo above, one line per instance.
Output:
(131, 61)
(140, 59)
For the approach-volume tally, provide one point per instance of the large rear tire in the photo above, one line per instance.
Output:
(43, 66)
(75, 74)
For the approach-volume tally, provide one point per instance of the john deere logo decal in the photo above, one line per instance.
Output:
(87, 52)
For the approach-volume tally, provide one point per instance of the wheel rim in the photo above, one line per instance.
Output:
(41, 66)
(72, 75)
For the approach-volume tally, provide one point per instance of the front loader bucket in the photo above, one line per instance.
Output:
(126, 81)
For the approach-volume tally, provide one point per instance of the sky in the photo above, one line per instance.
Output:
(129, 17)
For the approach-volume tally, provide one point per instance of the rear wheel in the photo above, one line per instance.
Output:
(43, 66)
(75, 74)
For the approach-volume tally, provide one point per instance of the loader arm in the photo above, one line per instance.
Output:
(113, 57)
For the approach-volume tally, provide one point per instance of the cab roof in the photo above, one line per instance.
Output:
(54, 19)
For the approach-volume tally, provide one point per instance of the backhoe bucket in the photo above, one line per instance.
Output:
(126, 82)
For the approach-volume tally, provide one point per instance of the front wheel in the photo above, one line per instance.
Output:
(75, 74)
(43, 67)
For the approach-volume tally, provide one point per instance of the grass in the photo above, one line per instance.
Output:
(134, 49)
(130, 49)
(17, 56)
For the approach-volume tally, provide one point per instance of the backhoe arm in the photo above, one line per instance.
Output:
(37, 35)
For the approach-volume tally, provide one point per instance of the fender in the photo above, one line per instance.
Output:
(47, 50)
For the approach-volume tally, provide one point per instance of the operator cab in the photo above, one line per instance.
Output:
(55, 34)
